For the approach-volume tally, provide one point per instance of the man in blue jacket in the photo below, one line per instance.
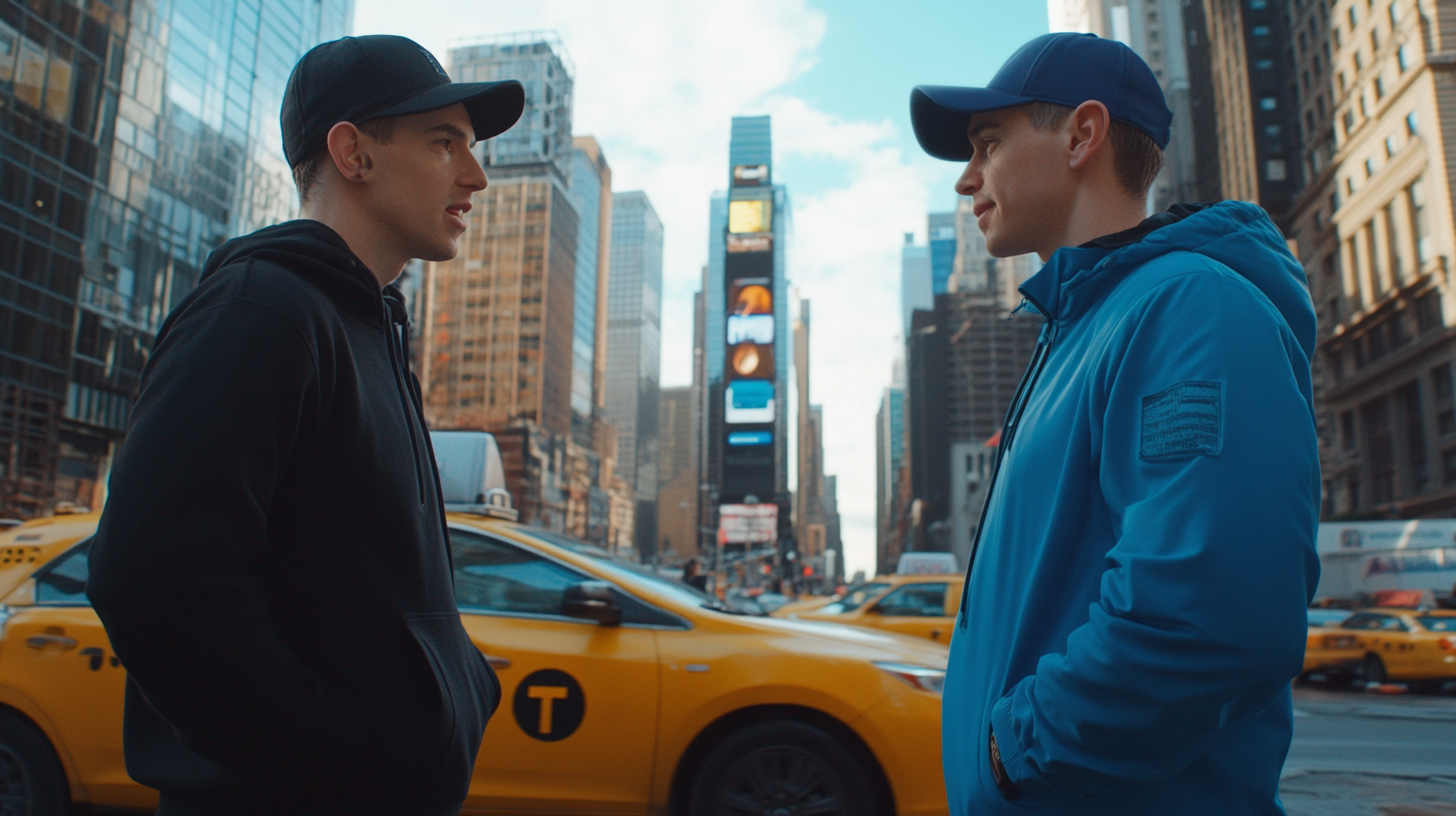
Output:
(1135, 604)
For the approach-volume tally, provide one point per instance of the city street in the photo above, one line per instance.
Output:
(1357, 754)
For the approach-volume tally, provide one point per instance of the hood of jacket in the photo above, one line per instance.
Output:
(1236, 234)
(313, 251)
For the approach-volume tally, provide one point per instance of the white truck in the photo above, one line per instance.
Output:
(472, 478)
(1369, 556)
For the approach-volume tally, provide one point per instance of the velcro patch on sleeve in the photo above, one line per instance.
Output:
(1183, 420)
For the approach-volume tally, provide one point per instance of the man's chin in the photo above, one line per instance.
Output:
(440, 251)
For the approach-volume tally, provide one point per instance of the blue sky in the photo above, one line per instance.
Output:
(657, 82)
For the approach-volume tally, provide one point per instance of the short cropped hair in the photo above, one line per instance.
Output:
(306, 173)
(1136, 158)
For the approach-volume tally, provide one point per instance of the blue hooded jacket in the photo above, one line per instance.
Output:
(1135, 608)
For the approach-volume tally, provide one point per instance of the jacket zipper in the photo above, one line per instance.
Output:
(1008, 433)
(405, 400)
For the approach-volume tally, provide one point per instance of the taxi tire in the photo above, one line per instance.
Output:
(28, 762)
(764, 744)
(1372, 670)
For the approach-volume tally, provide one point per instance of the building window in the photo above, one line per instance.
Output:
(1411, 125)
(1343, 82)
(1261, 31)
(1268, 103)
(1394, 15)
(1380, 448)
(1429, 318)
(1275, 170)
(1446, 423)
(1412, 420)
(1258, 5)
(1390, 146)
(1359, 61)
(1263, 64)
(1402, 58)
(1374, 40)
(1419, 215)
(1354, 256)
(1369, 168)
(1392, 244)
(1377, 286)
(1349, 185)
(1448, 466)
(1348, 121)
(1379, 85)
(1441, 381)
(1347, 430)
(1353, 21)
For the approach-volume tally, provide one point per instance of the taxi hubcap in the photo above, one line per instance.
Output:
(780, 781)
(14, 785)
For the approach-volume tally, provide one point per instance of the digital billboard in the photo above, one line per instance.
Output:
(750, 242)
(750, 175)
(750, 216)
(750, 361)
(750, 328)
(744, 439)
(750, 297)
(749, 402)
(748, 523)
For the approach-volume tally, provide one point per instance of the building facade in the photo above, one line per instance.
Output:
(1376, 239)
(889, 463)
(917, 287)
(940, 238)
(138, 136)
(809, 495)
(634, 353)
(677, 474)
(591, 195)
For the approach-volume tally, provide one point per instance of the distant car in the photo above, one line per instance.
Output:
(1329, 650)
(1402, 645)
(919, 605)
(770, 601)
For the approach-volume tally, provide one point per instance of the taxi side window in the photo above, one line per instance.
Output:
(1394, 624)
(63, 581)
(914, 601)
(499, 577)
(1363, 621)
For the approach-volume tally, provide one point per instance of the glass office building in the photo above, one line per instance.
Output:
(634, 354)
(138, 135)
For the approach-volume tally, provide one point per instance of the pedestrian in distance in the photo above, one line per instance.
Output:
(693, 575)
(273, 565)
(1135, 603)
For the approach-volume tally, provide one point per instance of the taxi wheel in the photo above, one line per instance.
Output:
(782, 768)
(32, 782)
(1373, 669)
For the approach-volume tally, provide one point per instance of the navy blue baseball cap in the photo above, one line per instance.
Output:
(1063, 69)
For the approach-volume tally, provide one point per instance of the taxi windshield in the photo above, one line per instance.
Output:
(855, 598)
(638, 575)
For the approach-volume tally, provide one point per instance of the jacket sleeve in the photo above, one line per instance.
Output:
(177, 564)
(1208, 466)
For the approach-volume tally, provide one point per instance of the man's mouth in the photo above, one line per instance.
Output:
(980, 209)
(459, 210)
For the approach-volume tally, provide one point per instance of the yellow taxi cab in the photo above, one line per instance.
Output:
(1402, 645)
(623, 692)
(1328, 649)
(922, 606)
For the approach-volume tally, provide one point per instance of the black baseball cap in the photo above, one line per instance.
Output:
(1063, 69)
(355, 79)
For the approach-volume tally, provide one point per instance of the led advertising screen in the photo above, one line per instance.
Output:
(749, 401)
(750, 216)
(751, 242)
(750, 175)
(750, 328)
(748, 523)
(750, 297)
(749, 439)
(748, 265)
(750, 361)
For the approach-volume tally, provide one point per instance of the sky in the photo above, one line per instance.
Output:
(657, 83)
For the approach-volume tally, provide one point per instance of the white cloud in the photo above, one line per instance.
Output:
(657, 82)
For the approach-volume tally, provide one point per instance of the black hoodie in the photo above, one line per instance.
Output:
(272, 565)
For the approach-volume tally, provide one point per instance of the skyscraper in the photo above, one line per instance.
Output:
(499, 332)
(917, 289)
(634, 353)
(809, 498)
(137, 138)
(748, 345)
(677, 475)
(591, 195)
(889, 460)
(941, 237)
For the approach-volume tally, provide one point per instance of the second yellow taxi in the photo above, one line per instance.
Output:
(922, 606)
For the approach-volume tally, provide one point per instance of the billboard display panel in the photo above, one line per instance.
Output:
(750, 297)
(746, 439)
(748, 523)
(749, 401)
(750, 175)
(751, 242)
(750, 328)
(750, 361)
(750, 216)
(740, 265)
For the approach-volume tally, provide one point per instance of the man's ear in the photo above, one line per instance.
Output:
(1088, 126)
(349, 150)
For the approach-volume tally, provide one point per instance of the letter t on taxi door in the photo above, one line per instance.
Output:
(546, 694)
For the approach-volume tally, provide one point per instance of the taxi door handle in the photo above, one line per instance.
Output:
(42, 641)
(498, 662)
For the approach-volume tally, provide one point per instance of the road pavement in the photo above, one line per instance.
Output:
(1358, 754)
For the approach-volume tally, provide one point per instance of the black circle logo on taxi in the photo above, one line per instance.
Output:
(549, 705)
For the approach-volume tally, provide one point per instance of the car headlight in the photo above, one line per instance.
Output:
(923, 678)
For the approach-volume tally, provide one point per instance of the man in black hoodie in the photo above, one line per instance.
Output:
(273, 566)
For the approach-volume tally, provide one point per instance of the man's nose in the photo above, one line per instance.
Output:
(474, 178)
(970, 180)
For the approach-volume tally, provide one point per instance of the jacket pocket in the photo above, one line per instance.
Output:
(468, 693)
